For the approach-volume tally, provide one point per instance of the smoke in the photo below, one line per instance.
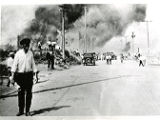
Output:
(127, 47)
(51, 15)
(73, 13)
(45, 24)
(107, 21)
(13, 21)
(48, 20)
(103, 21)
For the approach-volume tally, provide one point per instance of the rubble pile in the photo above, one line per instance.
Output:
(70, 58)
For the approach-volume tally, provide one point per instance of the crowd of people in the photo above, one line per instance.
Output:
(139, 57)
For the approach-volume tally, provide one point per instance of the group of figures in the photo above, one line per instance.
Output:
(139, 57)
(50, 55)
(108, 59)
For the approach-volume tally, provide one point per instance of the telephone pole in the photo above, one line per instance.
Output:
(63, 30)
(148, 41)
(121, 45)
(133, 42)
(85, 43)
(148, 36)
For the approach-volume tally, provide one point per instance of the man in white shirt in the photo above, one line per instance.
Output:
(23, 70)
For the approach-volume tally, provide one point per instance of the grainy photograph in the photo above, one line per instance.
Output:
(80, 60)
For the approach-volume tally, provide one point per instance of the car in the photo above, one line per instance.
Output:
(89, 58)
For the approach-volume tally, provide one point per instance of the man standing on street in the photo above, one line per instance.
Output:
(141, 60)
(23, 70)
(51, 55)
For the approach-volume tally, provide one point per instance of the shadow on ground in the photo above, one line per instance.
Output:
(35, 112)
(68, 86)
(41, 81)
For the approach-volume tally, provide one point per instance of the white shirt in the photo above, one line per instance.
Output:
(142, 58)
(10, 62)
(23, 62)
(107, 57)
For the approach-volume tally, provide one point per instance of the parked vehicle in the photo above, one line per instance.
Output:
(89, 58)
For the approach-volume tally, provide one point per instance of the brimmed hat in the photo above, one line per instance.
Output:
(25, 41)
(11, 53)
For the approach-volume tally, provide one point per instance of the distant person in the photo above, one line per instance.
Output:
(50, 58)
(101, 56)
(23, 70)
(141, 60)
(122, 58)
(9, 65)
(40, 47)
(77, 53)
(107, 59)
(110, 59)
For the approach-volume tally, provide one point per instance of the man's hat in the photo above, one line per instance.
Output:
(25, 40)
(11, 53)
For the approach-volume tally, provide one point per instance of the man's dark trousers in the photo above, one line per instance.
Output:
(25, 81)
(141, 63)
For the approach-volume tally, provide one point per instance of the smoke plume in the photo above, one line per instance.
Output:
(48, 20)
(51, 15)
(107, 21)
(103, 21)
(127, 47)
(13, 21)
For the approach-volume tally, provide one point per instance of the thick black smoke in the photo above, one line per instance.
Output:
(72, 13)
(48, 19)
(139, 12)
(51, 15)
(103, 21)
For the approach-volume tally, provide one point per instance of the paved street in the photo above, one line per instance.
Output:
(117, 89)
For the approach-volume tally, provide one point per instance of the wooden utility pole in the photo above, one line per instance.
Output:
(133, 36)
(148, 41)
(79, 39)
(18, 42)
(63, 32)
(85, 43)
(121, 44)
(148, 37)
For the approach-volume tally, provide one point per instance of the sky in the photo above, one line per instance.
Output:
(14, 20)
(140, 31)
(12, 26)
